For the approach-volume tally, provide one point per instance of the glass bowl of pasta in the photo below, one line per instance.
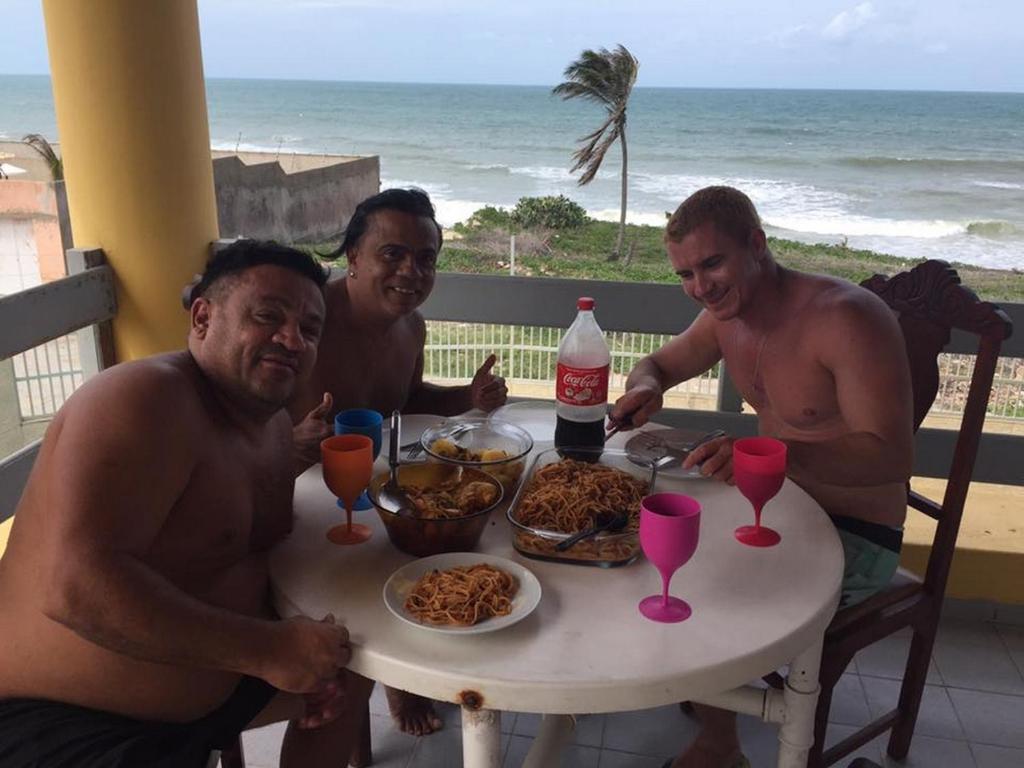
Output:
(496, 447)
(570, 491)
(450, 507)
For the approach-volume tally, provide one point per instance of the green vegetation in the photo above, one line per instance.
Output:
(548, 212)
(481, 246)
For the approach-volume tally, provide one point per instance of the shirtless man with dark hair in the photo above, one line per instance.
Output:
(371, 354)
(823, 364)
(134, 595)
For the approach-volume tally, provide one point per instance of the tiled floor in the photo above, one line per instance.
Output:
(972, 716)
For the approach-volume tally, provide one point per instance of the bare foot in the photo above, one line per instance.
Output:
(412, 714)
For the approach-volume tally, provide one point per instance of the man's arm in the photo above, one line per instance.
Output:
(117, 473)
(689, 354)
(862, 346)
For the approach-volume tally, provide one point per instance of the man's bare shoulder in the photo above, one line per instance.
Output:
(838, 309)
(157, 388)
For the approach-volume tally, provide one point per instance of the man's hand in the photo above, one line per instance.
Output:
(636, 407)
(324, 705)
(311, 431)
(488, 391)
(714, 457)
(306, 655)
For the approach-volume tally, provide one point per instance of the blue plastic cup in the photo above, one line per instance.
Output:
(361, 421)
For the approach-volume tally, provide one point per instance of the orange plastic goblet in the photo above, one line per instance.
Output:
(348, 467)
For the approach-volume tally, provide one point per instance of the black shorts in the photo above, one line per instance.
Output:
(36, 733)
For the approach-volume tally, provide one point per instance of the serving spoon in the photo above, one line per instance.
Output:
(391, 495)
(613, 522)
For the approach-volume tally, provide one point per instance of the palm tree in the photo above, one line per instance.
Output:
(39, 143)
(606, 77)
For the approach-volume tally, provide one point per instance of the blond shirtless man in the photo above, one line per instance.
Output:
(823, 364)
(371, 353)
(134, 599)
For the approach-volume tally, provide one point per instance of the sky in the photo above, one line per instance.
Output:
(972, 45)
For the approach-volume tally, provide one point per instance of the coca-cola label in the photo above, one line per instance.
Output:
(581, 386)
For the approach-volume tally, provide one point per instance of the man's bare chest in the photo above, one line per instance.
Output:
(784, 381)
(236, 503)
(361, 373)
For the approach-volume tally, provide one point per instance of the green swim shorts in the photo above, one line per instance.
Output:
(871, 553)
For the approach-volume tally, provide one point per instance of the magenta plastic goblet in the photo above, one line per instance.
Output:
(759, 469)
(669, 532)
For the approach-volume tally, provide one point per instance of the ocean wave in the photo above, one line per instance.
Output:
(771, 196)
(449, 211)
(545, 173)
(632, 217)
(861, 226)
(270, 149)
(995, 229)
(997, 184)
(434, 189)
(879, 162)
(489, 167)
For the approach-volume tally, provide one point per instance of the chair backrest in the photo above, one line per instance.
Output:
(930, 303)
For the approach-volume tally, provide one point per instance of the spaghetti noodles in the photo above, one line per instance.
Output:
(462, 596)
(568, 496)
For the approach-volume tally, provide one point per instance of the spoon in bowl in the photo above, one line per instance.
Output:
(391, 495)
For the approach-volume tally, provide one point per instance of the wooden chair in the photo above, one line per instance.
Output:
(930, 302)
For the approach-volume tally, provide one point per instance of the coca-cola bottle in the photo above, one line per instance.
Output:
(581, 383)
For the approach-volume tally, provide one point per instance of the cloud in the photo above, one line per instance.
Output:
(788, 37)
(845, 23)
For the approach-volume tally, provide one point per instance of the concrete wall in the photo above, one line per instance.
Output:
(290, 198)
(30, 237)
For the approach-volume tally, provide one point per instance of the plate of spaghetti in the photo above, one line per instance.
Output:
(462, 593)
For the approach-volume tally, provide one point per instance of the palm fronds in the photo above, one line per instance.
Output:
(39, 143)
(607, 78)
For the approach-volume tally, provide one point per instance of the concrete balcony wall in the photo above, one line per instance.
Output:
(30, 241)
(290, 198)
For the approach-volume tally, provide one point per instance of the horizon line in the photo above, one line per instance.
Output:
(862, 89)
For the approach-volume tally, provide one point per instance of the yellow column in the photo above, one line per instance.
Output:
(131, 115)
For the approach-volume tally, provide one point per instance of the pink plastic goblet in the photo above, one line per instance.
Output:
(669, 532)
(759, 468)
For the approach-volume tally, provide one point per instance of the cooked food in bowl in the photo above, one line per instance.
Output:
(496, 447)
(446, 449)
(452, 499)
(462, 596)
(451, 506)
(563, 496)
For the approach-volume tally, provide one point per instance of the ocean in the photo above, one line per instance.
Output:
(916, 174)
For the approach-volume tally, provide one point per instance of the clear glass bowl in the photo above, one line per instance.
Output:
(421, 536)
(496, 447)
(604, 549)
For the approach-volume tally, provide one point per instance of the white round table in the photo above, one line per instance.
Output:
(586, 648)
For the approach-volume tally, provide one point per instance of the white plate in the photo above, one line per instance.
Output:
(413, 425)
(401, 582)
(537, 418)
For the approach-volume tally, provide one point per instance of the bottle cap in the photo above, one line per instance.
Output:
(584, 302)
